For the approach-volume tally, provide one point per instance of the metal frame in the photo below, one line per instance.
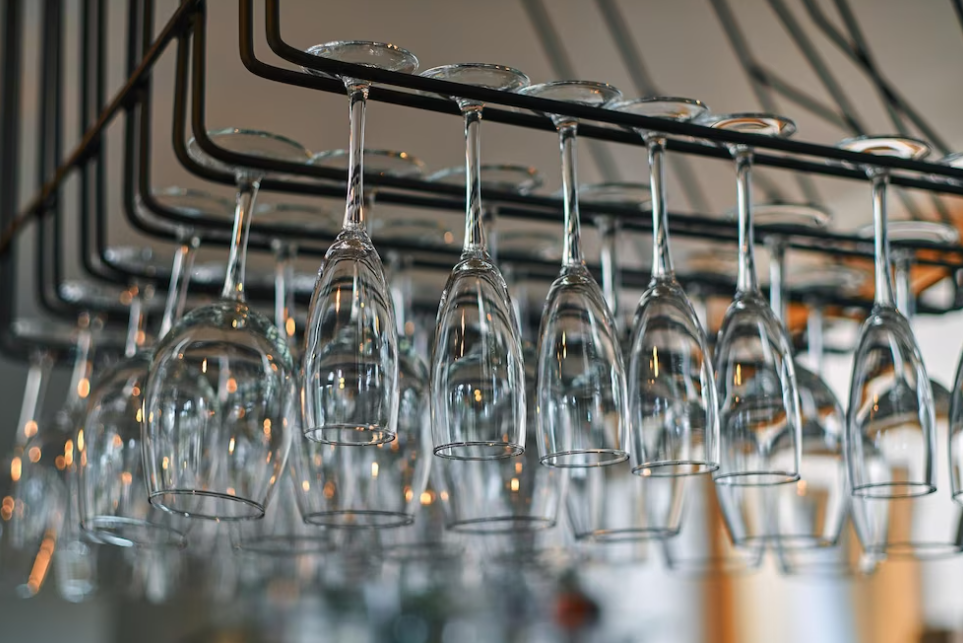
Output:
(187, 27)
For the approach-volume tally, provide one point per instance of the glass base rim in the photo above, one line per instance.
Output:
(745, 478)
(155, 500)
(868, 491)
(261, 545)
(703, 467)
(515, 524)
(508, 450)
(102, 530)
(330, 519)
(625, 535)
(909, 550)
(379, 436)
(615, 456)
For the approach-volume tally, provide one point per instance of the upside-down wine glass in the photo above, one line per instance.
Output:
(349, 369)
(581, 378)
(218, 456)
(811, 513)
(611, 512)
(891, 432)
(382, 485)
(477, 371)
(929, 526)
(672, 397)
(114, 509)
(515, 498)
(759, 417)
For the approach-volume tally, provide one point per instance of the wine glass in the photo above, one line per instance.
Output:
(672, 397)
(581, 379)
(349, 369)
(477, 372)
(759, 417)
(926, 231)
(113, 508)
(811, 513)
(891, 433)
(215, 451)
(495, 177)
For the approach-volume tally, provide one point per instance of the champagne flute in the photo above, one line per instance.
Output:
(891, 433)
(582, 410)
(760, 424)
(349, 395)
(216, 451)
(477, 372)
(671, 384)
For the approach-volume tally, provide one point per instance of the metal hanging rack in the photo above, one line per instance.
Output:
(185, 32)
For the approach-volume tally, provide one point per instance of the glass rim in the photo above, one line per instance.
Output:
(626, 534)
(100, 529)
(866, 490)
(704, 467)
(735, 479)
(509, 450)
(329, 518)
(244, 131)
(203, 493)
(518, 524)
(615, 456)
(806, 215)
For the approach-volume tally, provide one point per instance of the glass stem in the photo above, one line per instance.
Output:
(777, 279)
(489, 219)
(33, 394)
(904, 285)
(747, 281)
(474, 224)
(608, 256)
(135, 322)
(571, 244)
(401, 291)
(354, 210)
(815, 332)
(884, 282)
(661, 257)
(179, 284)
(247, 187)
(284, 255)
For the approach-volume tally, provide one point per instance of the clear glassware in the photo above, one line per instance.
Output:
(582, 402)
(704, 545)
(891, 432)
(111, 474)
(672, 396)
(350, 396)
(930, 526)
(495, 177)
(928, 231)
(477, 370)
(215, 451)
(810, 514)
(611, 512)
(524, 504)
(759, 417)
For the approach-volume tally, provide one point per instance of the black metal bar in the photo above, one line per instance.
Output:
(87, 145)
